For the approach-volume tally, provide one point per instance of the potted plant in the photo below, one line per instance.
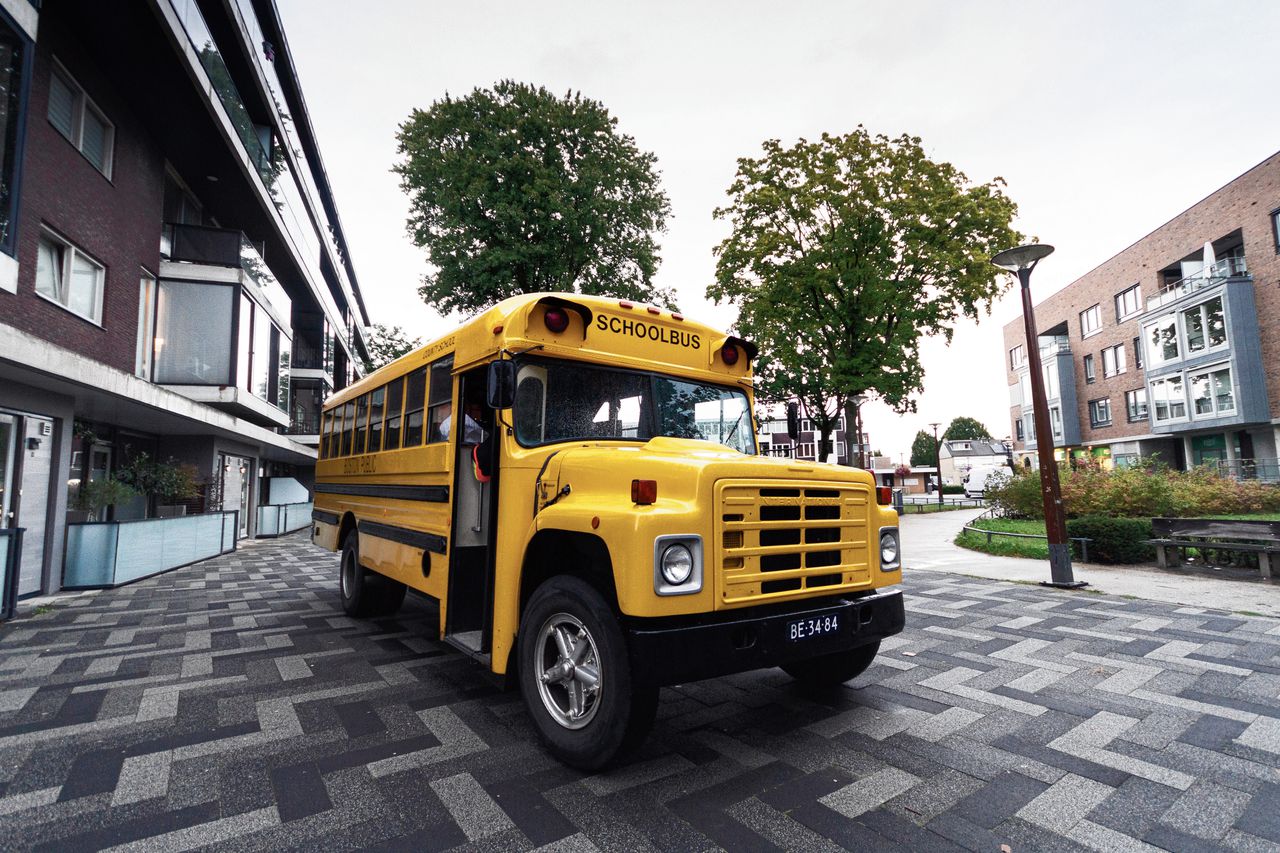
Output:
(165, 483)
(96, 495)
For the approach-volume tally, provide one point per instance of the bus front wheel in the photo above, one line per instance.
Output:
(365, 593)
(833, 669)
(576, 679)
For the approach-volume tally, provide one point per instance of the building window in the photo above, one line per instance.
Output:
(69, 277)
(1018, 430)
(1090, 321)
(13, 55)
(1090, 373)
(1017, 357)
(1275, 228)
(146, 325)
(1162, 341)
(80, 121)
(1205, 326)
(804, 450)
(186, 350)
(1168, 403)
(1113, 360)
(1211, 393)
(1128, 303)
(1137, 352)
(1135, 404)
(1055, 421)
(1051, 389)
(1100, 412)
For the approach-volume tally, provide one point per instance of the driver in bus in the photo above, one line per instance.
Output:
(472, 431)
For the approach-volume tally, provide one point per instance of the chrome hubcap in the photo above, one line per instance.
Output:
(347, 577)
(568, 671)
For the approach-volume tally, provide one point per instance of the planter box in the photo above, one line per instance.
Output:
(105, 554)
(279, 519)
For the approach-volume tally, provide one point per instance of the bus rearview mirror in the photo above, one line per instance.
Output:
(500, 390)
(793, 421)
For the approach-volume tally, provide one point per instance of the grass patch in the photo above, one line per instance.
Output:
(1006, 546)
(42, 610)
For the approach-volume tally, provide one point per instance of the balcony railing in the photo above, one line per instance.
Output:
(225, 247)
(1207, 277)
(1054, 344)
(1265, 470)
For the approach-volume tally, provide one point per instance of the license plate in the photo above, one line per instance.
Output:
(821, 625)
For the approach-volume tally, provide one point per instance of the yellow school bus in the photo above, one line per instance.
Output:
(576, 481)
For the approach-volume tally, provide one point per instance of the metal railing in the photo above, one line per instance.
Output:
(1207, 277)
(1264, 470)
(990, 514)
(227, 247)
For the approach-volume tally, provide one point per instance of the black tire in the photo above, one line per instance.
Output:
(612, 717)
(833, 669)
(365, 593)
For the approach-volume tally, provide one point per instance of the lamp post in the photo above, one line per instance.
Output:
(1020, 261)
(937, 461)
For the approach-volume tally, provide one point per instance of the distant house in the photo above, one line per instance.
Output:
(774, 440)
(958, 456)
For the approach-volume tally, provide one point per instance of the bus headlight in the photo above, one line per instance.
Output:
(890, 550)
(677, 564)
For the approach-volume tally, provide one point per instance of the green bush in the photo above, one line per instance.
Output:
(96, 495)
(1015, 496)
(949, 489)
(1115, 540)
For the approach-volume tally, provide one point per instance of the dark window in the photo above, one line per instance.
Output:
(395, 398)
(1275, 228)
(1018, 429)
(1089, 372)
(348, 427)
(1135, 404)
(440, 399)
(326, 421)
(1100, 412)
(362, 420)
(1137, 352)
(14, 52)
(376, 399)
(415, 393)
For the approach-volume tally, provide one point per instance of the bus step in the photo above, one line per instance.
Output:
(468, 642)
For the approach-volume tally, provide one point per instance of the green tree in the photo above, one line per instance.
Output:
(844, 253)
(387, 343)
(922, 450)
(514, 190)
(963, 427)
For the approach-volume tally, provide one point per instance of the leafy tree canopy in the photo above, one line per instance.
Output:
(514, 190)
(386, 344)
(845, 252)
(963, 427)
(922, 449)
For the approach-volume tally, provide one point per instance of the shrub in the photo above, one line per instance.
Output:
(1115, 540)
(96, 495)
(1017, 495)
(167, 482)
(949, 489)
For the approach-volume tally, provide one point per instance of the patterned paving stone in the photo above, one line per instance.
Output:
(232, 705)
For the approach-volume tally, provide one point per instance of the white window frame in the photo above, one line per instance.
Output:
(1094, 312)
(1055, 421)
(1118, 360)
(69, 253)
(81, 102)
(1123, 297)
(147, 293)
(1199, 307)
(1017, 357)
(1090, 370)
(1154, 358)
(1151, 400)
(1210, 371)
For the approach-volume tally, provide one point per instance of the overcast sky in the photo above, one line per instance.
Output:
(1105, 118)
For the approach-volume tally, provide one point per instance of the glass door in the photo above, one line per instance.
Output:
(8, 433)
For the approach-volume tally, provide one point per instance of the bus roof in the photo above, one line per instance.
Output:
(600, 329)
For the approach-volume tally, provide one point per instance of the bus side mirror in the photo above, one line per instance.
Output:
(793, 421)
(500, 390)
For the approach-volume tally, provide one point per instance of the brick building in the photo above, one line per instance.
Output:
(174, 279)
(1172, 347)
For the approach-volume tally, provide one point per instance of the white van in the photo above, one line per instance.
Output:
(975, 482)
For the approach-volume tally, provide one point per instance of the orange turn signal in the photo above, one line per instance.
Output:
(644, 492)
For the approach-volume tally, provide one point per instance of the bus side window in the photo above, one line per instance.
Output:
(439, 397)
(395, 399)
(348, 426)
(375, 420)
(362, 418)
(415, 394)
(326, 422)
(531, 404)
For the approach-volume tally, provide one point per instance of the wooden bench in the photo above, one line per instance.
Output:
(1172, 535)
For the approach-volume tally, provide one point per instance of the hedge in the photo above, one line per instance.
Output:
(1115, 540)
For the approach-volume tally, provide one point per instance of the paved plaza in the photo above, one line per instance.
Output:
(231, 704)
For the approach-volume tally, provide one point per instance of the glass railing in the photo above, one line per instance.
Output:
(1052, 345)
(226, 247)
(214, 65)
(1207, 277)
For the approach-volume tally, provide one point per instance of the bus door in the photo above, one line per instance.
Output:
(469, 617)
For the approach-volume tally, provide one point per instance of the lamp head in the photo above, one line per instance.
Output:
(1021, 257)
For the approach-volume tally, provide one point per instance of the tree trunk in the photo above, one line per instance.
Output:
(824, 442)
(852, 434)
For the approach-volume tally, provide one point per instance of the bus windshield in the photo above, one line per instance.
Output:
(564, 401)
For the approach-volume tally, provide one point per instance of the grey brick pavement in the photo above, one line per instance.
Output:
(231, 705)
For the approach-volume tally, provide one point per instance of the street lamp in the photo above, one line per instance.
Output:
(937, 462)
(1020, 261)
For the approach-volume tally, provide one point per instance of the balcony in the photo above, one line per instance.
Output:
(222, 330)
(1051, 345)
(1223, 270)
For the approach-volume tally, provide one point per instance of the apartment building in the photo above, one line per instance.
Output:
(1172, 347)
(174, 279)
(774, 440)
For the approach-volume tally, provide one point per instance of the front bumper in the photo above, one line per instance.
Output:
(674, 651)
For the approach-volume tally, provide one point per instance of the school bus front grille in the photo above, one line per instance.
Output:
(785, 540)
